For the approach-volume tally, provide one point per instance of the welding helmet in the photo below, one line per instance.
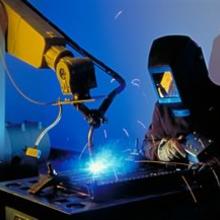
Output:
(179, 75)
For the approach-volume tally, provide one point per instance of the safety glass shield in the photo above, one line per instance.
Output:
(165, 85)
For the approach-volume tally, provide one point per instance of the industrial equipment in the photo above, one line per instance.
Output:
(102, 190)
(192, 191)
(32, 38)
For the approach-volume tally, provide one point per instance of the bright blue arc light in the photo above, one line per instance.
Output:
(109, 161)
(98, 167)
(103, 163)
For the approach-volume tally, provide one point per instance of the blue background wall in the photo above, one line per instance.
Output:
(120, 33)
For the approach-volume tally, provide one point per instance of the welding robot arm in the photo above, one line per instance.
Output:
(35, 40)
(30, 38)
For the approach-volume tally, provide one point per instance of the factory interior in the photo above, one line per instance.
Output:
(109, 109)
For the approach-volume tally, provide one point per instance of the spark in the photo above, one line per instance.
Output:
(115, 174)
(126, 132)
(105, 133)
(112, 80)
(118, 14)
(136, 82)
(83, 150)
(141, 123)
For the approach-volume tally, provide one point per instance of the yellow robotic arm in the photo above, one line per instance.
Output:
(33, 40)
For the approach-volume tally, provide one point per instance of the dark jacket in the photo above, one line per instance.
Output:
(164, 125)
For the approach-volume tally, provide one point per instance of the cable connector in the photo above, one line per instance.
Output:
(33, 152)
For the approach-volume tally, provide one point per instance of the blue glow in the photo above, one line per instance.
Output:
(159, 69)
(181, 112)
(169, 100)
(100, 166)
(104, 162)
(109, 161)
